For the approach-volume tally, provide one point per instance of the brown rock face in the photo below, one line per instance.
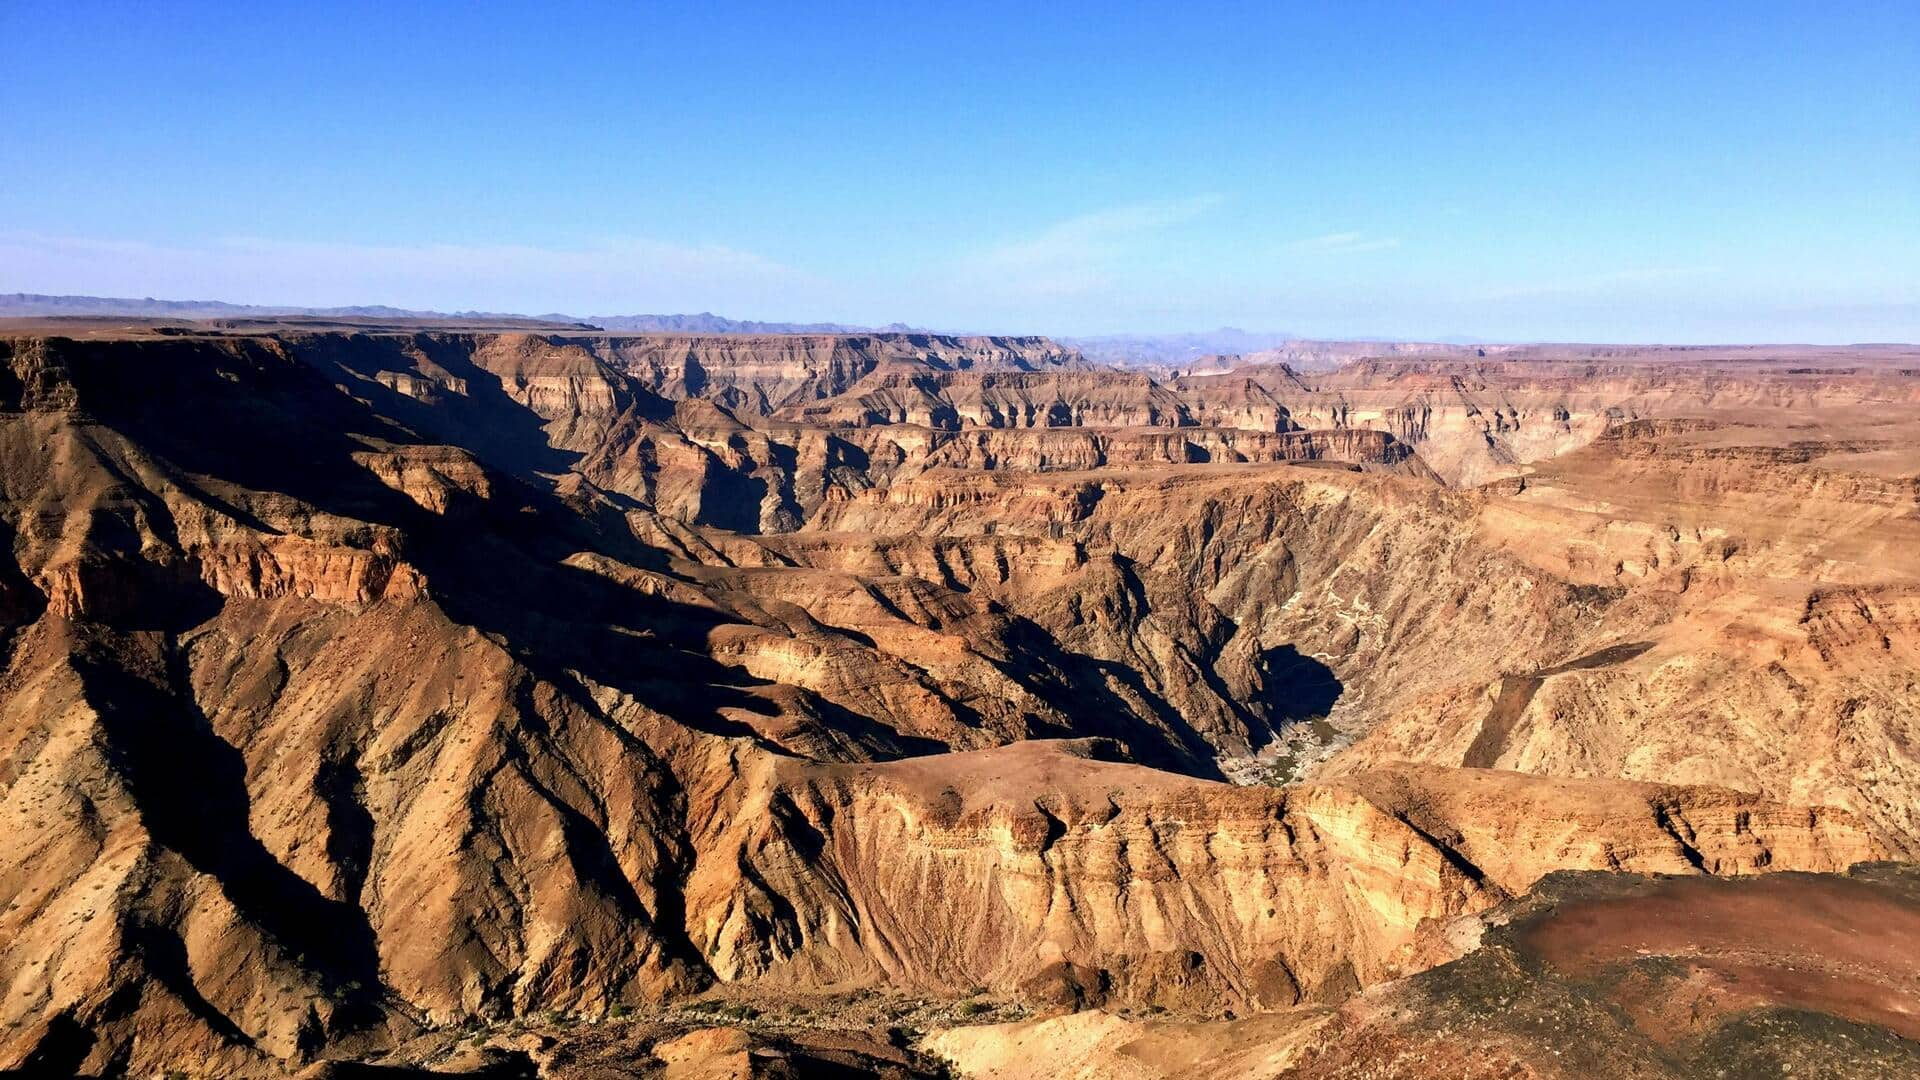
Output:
(1596, 975)
(1032, 870)
(355, 687)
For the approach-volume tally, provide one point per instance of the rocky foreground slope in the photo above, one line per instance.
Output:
(1593, 975)
(361, 688)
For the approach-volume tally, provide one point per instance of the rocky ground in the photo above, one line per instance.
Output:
(1589, 975)
(481, 698)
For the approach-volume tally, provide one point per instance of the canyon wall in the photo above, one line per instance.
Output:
(356, 685)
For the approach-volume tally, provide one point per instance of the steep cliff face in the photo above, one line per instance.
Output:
(358, 685)
(257, 866)
(1758, 595)
(1034, 870)
(761, 373)
(1477, 419)
(1241, 597)
(1025, 400)
(1081, 450)
(1594, 975)
(681, 424)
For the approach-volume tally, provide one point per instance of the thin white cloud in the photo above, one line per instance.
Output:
(617, 275)
(1078, 255)
(1343, 243)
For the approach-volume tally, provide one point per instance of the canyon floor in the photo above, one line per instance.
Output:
(472, 699)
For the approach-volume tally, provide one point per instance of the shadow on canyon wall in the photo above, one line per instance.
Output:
(1298, 687)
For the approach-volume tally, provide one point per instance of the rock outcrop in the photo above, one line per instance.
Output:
(355, 687)
(1595, 975)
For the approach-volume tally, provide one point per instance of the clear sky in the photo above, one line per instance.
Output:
(1573, 171)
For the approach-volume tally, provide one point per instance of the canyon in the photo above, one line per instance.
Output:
(389, 697)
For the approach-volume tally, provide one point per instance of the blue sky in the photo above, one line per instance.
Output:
(1677, 172)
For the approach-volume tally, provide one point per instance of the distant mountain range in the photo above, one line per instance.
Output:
(148, 307)
(1173, 349)
(708, 323)
(37, 304)
(1210, 350)
(1141, 349)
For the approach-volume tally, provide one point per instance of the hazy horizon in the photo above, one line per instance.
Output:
(1198, 334)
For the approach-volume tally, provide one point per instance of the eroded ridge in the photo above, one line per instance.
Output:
(363, 687)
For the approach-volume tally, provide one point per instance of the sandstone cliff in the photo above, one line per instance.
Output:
(359, 685)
